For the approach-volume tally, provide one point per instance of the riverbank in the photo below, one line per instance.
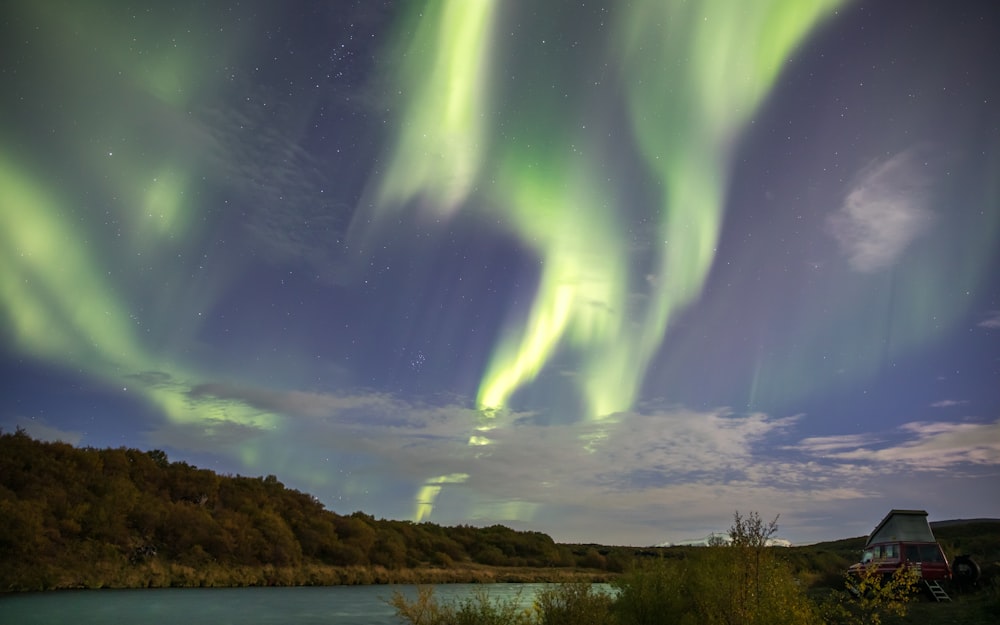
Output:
(174, 575)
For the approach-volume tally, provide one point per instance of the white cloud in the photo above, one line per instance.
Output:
(883, 214)
(663, 474)
(927, 446)
(825, 444)
(40, 430)
(949, 403)
(992, 321)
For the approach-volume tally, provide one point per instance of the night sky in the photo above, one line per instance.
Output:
(609, 270)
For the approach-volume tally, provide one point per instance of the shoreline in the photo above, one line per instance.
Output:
(174, 575)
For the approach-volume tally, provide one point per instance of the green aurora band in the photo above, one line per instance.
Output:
(69, 298)
(100, 253)
(61, 308)
(691, 75)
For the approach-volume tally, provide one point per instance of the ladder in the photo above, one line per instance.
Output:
(936, 591)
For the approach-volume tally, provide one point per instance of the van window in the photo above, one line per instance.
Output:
(930, 553)
(912, 553)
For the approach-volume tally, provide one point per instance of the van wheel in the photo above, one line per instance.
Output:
(965, 572)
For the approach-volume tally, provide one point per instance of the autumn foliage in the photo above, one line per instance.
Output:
(83, 517)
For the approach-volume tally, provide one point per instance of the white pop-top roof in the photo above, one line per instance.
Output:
(908, 525)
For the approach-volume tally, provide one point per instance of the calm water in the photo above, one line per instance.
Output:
(336, 605)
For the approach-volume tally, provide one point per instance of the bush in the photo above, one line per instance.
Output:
(573, 603)
(870, 596)
(479, 609)
(739, 583)
(991, 604)
(424, 610)
(654, 592)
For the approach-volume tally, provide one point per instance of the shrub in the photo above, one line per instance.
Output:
(573, 603)
(654, 592)
(424, 610)
(478, 609)
(740, 583)
(991, 603)
(870, 596)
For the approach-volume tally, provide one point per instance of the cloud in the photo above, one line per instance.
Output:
(526, 462)
(926, 446)
(992, 321)
(40, 430)
(294, 403)
(826, 444)
(209, 437)
(522, 456)
(883, 214)
(661, 474)
(655, 474)
(949, 403)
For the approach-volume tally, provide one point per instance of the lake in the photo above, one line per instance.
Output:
(329, 605)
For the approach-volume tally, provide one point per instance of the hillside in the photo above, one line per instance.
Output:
(82, 517)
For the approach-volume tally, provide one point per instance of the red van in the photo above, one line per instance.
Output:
(925, 557)
(904, 537)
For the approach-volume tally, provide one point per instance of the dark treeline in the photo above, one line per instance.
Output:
(130, 513)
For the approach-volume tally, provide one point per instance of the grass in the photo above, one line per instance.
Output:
(981, 607)
(155, 574)
(975, 609)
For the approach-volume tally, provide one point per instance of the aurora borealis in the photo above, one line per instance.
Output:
(605, 270)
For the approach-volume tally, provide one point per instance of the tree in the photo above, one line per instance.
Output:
(389, 550)
(159, 458)
(749, 537)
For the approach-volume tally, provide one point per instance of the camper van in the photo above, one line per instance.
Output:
(904, 538)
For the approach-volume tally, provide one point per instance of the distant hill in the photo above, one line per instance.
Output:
(940, 528)
(720, 538)
(953, 522)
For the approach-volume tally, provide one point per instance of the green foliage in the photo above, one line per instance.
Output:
(979, 537)
(74, 517)
(991, 602)
(871, 596)
(573, 603)
(742, 583)
(654, 592)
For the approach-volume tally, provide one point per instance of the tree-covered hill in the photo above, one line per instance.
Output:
(80, 516)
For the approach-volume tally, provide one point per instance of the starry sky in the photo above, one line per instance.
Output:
(609, 270)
